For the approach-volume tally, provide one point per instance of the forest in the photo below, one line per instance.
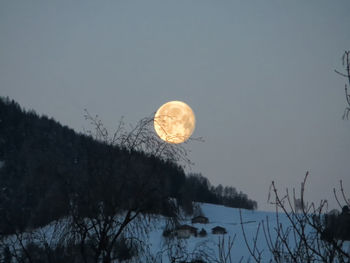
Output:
(47, 170)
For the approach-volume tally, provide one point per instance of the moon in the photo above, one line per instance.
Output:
(174, 122)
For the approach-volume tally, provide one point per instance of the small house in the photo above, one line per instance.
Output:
(185, 231)
(200, 220)
(218, 230)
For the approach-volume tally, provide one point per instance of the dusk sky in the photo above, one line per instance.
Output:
(259, 75)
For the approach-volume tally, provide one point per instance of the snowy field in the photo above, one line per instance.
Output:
(229, 218)
(218, 215)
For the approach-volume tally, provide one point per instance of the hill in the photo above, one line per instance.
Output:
(157, 248)
(210, 246)
(46, 166)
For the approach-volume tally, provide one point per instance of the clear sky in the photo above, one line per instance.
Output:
(259, 76)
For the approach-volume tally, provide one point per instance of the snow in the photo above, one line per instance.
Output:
(229, 218)
(347, 245)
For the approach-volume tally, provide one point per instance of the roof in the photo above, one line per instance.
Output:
(218, 228)
(187, 227)
(197, 217)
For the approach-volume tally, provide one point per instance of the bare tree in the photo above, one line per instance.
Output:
(175, 250)
(224, 249)
(307, 237)
(120, 203)
(303, 238)
(298, 204)
(346, 65)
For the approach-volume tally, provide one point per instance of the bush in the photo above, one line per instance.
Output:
(202, 233)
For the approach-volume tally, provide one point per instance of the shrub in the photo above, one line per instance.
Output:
(202, 233)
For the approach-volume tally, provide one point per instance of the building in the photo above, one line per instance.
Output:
(185, 231)
(200, 220)
(218, 230)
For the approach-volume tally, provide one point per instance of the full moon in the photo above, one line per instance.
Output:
(174, 122)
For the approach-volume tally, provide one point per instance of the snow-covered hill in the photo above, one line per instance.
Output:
(161, 249)
(229, 218)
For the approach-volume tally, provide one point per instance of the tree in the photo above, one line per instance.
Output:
(305, 238)
(115, 204)
(314, 235)
(346, 65)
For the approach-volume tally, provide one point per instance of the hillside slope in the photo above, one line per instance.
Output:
(44, 166)
(162, 249)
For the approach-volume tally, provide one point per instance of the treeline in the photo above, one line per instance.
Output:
(47, 169)
(336, 225)
(199, 189)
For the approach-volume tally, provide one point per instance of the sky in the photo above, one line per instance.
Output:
(259, 75)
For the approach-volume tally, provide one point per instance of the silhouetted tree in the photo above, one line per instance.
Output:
(307, 237)
(119, 195)
(346, 65)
